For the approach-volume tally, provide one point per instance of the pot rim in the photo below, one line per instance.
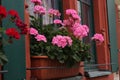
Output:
(39, 56)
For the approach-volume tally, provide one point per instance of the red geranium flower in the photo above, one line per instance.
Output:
(16, 35)
(3, 12)
(12, 32)
(22, 26)
(13, 13)
(24, 30)
(18, 22)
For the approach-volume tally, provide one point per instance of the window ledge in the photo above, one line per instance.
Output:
(93, 74)
(73, 78)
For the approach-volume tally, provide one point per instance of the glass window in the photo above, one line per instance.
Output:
(55, 4)
(85, 11)
(48, 4)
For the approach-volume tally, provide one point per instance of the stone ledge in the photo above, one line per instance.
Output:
(93, 74)
(73, 78)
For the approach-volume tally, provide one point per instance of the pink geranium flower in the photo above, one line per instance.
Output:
(40, 37)
(69, 40)
(57, 21)
(62, 41)
(39, 9)
(80, 31)
(76, 25)
(53, 12)
(70, 11)
(37, 1)
(86, 28)
(33, 31)
(74, 15)
(59, 40)
(98, 37)
(66, 23)
(57, 13)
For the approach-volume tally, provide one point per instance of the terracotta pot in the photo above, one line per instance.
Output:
(51, 73)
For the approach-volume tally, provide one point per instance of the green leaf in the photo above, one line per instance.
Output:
(51, 56)
(76, 57)
(70, 63)
(32, 17)
(61, 61)
(3, 58)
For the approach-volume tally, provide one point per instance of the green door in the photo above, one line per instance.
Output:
(16, 51)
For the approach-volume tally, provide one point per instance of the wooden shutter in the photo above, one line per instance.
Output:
(16, 51)
(112, 34)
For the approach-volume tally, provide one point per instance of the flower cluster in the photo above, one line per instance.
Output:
(37, 1)
(37, 36)
(54, 12)
(73, 23)
(14, 18)
(98, 37)
(73, 15)
(39, 9)
(2, 12)
(61, 40)
(57, 21)
(11, 32)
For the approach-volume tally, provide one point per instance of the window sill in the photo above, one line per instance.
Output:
(93, 74)
(73, 78)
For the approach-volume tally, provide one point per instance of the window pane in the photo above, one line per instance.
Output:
(31, 7)
(86, 19)
(85, 11)
(79, 8)
(86, 1)
(48, 5)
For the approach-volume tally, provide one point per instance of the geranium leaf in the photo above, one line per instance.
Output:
(76, 57)
(3, 58)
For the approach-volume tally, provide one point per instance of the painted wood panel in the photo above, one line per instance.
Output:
(16, 51)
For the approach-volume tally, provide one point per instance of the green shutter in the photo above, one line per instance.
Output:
(112, 34)
(16, 51)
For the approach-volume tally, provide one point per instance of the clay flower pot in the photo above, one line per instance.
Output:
(46, 68)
